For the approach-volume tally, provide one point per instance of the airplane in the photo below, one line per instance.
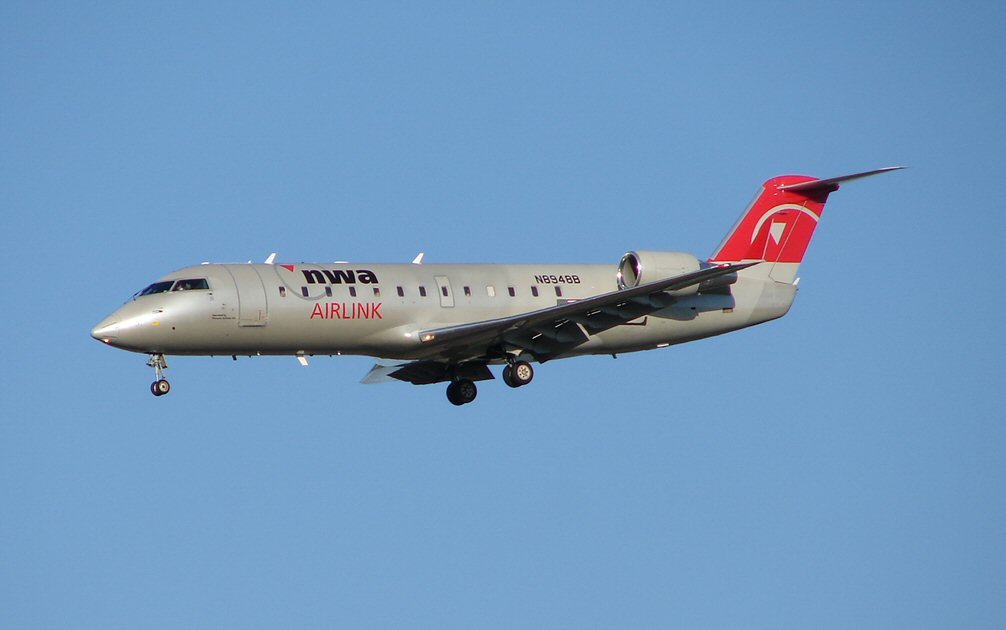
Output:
(434, 323)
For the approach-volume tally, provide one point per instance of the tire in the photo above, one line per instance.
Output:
(521, 373)
(466, 391)
(452, 395)
(508, 377)
(160, 388)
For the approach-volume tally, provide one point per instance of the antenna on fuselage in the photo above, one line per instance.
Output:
(271, 259)
(418, 260)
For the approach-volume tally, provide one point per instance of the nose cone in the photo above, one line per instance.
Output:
(133, 327)
(106, 331)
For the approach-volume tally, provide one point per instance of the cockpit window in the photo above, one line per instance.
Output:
(189, 285)
(157, 287)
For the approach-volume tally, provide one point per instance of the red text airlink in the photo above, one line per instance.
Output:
(342, 310)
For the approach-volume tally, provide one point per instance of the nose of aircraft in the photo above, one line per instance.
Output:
(106, 331)
(127, 327)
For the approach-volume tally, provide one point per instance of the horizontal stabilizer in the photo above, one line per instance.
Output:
(831, 184)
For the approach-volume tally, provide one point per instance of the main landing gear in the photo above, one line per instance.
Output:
(463, 391)
(160, 386)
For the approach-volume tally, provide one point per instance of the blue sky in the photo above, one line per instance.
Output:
(841, 467)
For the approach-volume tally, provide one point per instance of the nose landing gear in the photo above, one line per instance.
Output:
(160, 386)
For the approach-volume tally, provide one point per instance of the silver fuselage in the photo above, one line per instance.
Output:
(379, 309)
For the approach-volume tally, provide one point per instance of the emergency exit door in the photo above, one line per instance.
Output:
(444, 289)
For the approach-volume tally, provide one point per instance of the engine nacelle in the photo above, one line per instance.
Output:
(638, 268)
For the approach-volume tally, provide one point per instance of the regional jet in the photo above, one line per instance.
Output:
(433, 323)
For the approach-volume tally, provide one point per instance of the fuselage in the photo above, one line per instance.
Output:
(378, 309)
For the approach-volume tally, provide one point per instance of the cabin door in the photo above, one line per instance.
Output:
(253, 309)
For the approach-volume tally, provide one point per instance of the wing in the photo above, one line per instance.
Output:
(550, 332)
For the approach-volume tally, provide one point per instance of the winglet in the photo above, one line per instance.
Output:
(418, 260)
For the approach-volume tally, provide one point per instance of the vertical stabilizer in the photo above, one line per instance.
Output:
(779, 224)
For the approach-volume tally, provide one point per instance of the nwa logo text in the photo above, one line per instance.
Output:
(339, 276)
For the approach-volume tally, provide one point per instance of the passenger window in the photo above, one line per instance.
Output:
(534, 291)
(190, 285)
(303, 291)
(511, 291)
(444, 291)
(401, 292)
(491, 291)
(328, 291)
(282, 291)
(558, 291)
(377, 292)
(352, 291)
(422, 291)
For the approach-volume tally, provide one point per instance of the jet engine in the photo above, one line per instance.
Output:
(638, 268)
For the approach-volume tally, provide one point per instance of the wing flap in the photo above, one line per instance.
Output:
(426, 372)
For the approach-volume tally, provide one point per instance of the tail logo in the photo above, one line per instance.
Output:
(776, 232)
(778, 229)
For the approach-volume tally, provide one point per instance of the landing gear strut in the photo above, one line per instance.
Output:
(160, 386)
(518, 374)
(461, 392)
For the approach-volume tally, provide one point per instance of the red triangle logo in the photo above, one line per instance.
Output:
(287, 267)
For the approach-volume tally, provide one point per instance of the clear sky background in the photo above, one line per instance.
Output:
(841, 467)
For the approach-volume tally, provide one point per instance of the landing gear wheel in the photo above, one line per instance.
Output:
(521, 374)
(160, 387)
(508, 377)
(461, 392)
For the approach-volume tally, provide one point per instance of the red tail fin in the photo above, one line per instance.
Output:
(778, 226)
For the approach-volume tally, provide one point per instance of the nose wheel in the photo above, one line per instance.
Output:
(160, 386)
